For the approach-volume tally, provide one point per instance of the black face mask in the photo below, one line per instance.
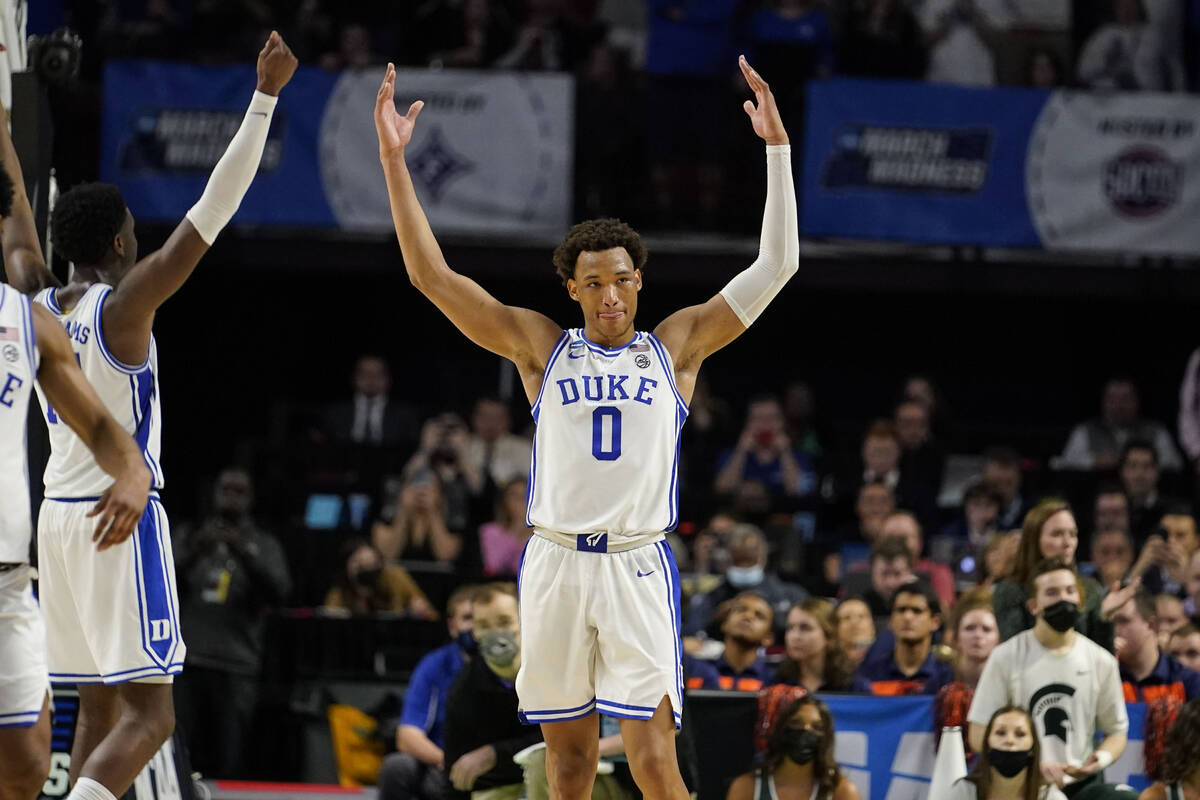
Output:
(1061, 616)
(801, 745)
(1009, 763)
(368, 578)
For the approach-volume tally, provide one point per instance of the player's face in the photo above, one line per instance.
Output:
(977, 634)
(1011, 731)
(606, 286)
(805, 637)
(1186, 650)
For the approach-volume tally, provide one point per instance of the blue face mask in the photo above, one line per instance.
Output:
(466, 642)
(742, 577)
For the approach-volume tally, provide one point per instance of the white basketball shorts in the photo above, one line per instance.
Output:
(23, 680)
(599, 632)
(111, 616)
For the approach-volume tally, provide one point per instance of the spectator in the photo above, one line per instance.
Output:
(1162, 564)
(875, 503)
(230, 573)
(474, 35)
(1181, 764)
(747, 572)
(1000, 557)
(910, 668)
(746, 630)
(1050, 532)
(418, 529)
(1010, 764)
(1111, 511)
(1192, 585)
(1139, 471)
(964, 542)
(555, 36)
(483, 727)
(1130, 54)
(1184, 646)
(1148, 673)
(1112, 556)
(764, 453)
(891, 567)
(1002, 471)
(800, 415)
(367, 584)
(444, 451)
(799, 760)
(502, 540)
(492, 448)
(855, 629)
(1044, 70)
(1071, 684)
(370, 417)
(883, 41)
(1168, 611)
(355, 50)
(920, 389)
(813, 658)
(904, 525)
(417, 768)
(1097, 443)
(971, 632)
(922, 460)
(1030, 25)
(960, 37)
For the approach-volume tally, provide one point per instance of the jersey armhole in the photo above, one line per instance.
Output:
(554, 354)
(98, 332)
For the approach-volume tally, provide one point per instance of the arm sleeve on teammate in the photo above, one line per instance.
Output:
(779, 247)
(232, 175)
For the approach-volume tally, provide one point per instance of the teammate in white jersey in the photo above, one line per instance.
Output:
(112, 619)
(34, 350)
(598, 586)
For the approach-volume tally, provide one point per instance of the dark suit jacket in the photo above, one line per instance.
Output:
(401, 426)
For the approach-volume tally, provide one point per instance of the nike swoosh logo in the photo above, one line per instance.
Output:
(258, 113)
(572, 355)
(644, 574)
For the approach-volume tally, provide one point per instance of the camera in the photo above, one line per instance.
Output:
(56, 58)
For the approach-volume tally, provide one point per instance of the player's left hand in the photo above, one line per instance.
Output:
(470, 766)
(765, 115)
(120, 509)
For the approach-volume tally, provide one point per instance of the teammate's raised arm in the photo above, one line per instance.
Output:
(523, 336)
(23, 262)
(76, 403)
(694, 333)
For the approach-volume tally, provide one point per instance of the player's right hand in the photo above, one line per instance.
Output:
(120, 509)
(395, 131)
(276, 65)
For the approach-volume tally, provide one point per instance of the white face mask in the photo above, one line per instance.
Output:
(744, 576)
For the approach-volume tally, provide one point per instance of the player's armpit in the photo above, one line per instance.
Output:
(694, 333)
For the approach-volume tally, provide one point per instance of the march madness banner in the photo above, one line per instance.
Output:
(1002, 167)
(492, 153)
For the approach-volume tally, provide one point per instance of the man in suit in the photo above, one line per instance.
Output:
(370, 418)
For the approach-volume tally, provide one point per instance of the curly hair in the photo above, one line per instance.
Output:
(85, 220)
(596, 235)
(6, 193)
(1183, 745)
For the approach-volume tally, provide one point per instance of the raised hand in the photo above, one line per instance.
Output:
(1117, 597)
(395, 131)
(276, 65)
(763, 113)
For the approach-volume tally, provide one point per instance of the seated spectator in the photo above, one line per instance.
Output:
(1044, 70)
(904, 525)
(354, 51)
(371, 417)
(550, 40)
(798, 761)
(1002, 471)
(960, 36)
(1000, 557)
(710, 550)
(418, 530)
(882, 40)
(1168, 610)
(502, 540)
(764, 453)
(1181, 764)
(1191, 603)
(230, 573)
(1139, 471)
(855, 629)
(1010, 764)
(1111, 509)
(443, 451)
(1050, 532)
(874, 504)
(1072, 685)
(910, 668)
(881, 462)
(891, 567)
(922, 458)
(1098, 443)
(1112, 556)
(746, 630)
(1164, 559)
(1147, 673)
(747, 572)
(492, 448)
(483, 728)
(800, 414)
(1184, 646)
(417, 769)
(1130, 54)
(972, 634)
(813, 658)
(366, 584)
(980, 511)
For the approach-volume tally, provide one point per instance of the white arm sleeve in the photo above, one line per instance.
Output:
(232, 175)
(779, 248)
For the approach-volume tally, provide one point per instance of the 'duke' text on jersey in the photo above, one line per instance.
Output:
(596, 388)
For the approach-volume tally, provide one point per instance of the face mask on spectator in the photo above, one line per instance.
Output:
(1061, 616)
(466, 641)
(801, 745)
(368, 578)
(744, 576)
(1010, 762)
(499, 648)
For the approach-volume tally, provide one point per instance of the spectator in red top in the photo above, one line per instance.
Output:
(904, 525)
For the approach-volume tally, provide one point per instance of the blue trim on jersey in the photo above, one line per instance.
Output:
(520, 566)
(532, 478)
(31, 335)
(673, 490)
(3, 294)
(534, 411)
(98, 332)
(117, 677)
(604, 351)
(668, 367)
(154, 590)
(674, 601)
(555, 352)
(52, 301)
(141, 395)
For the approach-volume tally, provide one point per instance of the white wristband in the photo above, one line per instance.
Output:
(1103, 758)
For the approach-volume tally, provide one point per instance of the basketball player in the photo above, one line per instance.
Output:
(599, 589)
(33, 347)
(112, 618)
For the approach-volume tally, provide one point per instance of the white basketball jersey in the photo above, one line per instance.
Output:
(606, 450)
(18, 373)
(130, 393)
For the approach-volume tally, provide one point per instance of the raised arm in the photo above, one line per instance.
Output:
(692, 334)
(23, 261)
(524, 337)
(130, 310)
(120, 507)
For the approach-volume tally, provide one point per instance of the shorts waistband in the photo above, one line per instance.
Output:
(94, 499)
(600, 541)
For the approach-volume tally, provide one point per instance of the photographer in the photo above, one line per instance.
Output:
(764, 453)
(419, 529)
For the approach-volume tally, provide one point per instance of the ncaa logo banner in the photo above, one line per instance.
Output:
(1002, 167)
(493, 153)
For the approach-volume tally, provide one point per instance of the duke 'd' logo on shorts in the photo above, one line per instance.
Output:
(1142, 181)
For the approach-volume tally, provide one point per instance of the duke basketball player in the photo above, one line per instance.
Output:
(35, 350)
(598, 585)
(112, 618)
